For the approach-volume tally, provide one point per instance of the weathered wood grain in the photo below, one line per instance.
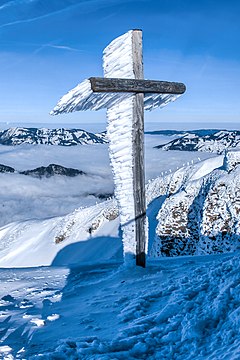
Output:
(139, 179)
(138, 154)
(136, 86)
(137, 54)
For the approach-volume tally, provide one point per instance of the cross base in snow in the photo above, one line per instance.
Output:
(125, 94)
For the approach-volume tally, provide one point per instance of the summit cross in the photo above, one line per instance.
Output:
(125, 94)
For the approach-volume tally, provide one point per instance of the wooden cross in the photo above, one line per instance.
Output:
(125, 94)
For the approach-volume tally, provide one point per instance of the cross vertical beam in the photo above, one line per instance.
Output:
(139, 180)
(126, 125)
(138, 154)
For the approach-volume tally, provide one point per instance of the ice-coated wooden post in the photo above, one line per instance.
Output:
(128, 170)
(125, 94)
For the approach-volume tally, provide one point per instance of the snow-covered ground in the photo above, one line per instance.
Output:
(86, 304)
(63, 240)
(185, 308)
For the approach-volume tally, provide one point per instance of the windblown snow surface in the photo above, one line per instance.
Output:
(85, 304)
(185, 308)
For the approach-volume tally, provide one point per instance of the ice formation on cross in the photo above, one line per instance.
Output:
(122, 59)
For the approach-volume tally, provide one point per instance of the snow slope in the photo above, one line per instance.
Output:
(194, 210)
(179, 309)
(86, 235)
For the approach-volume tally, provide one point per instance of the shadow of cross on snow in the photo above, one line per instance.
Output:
(125, 95)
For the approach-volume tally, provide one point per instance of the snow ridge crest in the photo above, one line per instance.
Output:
(60, 136)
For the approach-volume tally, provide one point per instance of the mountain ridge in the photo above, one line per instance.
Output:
(44, 171)
(209, 141)
(59, 136)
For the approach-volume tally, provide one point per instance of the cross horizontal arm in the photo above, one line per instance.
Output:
(82, 97)
(136, 86)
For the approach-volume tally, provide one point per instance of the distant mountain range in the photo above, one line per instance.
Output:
(213, 141)
(61, 136)
(208, 140)
(199, 132)
(51, 170)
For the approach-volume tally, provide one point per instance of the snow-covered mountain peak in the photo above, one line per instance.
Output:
(205, 140)
(59, 136)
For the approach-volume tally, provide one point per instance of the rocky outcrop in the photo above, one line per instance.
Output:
(48, 171)
(231, 160)
(6, 169)
(51, 170)
(202, 215)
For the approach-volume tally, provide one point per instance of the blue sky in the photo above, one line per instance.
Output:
(48, 46)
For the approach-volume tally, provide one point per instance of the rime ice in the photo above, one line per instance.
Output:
(122, 58)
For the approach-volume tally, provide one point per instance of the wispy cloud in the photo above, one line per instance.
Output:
(22, 11)
(56, 44)
(59, 47)
(63, 47)
(7, 4)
